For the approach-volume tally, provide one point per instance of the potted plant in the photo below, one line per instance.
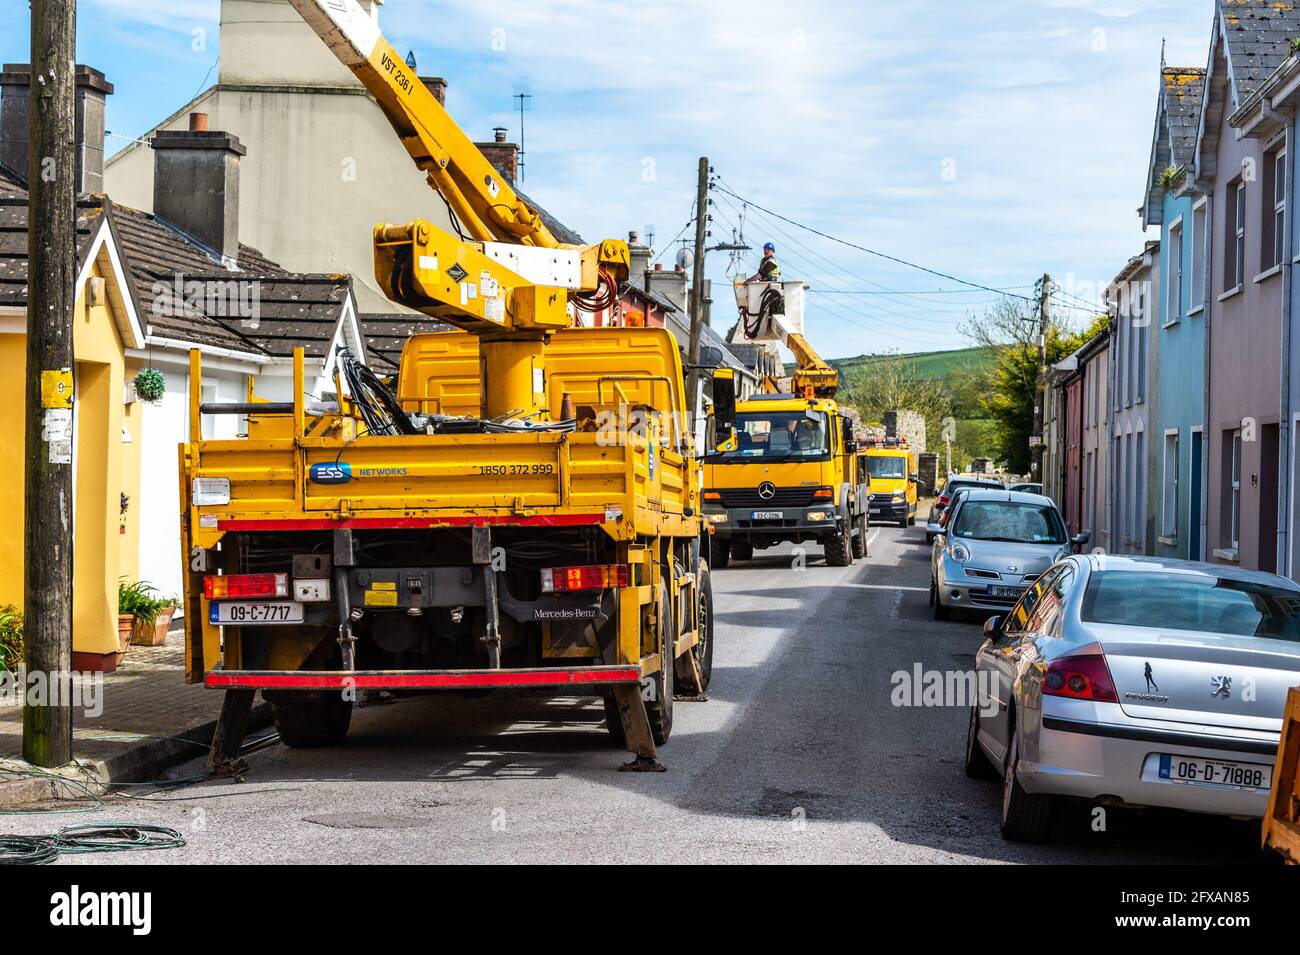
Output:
(155, 634)
(137, 606)
(11, 638)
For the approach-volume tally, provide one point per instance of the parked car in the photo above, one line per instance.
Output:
(1026, 488)
(955, 482)
(991, 547)
(1136, 682)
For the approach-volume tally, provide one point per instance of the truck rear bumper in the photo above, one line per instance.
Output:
(420, 679)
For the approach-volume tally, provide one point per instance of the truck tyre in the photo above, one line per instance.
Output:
(839, 552)
(613, 722)
(703, 649)
(312, 719)
(742, 551)
(1026, 817)
(860, 537)
(659, 708)
(719, 552)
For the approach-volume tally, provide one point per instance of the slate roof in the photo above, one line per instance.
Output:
(1184, 87)
(386, 332)
(291, 309)
(1258, 34)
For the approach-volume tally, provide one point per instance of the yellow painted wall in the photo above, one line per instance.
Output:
(129, 541)
(103, 471)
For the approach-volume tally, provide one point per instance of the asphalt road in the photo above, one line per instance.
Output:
(799, 756)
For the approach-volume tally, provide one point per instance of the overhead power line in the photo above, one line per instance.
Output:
(875, 252)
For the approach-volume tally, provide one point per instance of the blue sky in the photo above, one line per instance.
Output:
(993, 141)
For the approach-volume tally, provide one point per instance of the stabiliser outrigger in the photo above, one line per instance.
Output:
(522, 512)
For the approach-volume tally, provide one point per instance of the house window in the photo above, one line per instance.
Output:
(1140, 322)
(1175, 264)
(1199, 225)
(1274, 237)
(1130, 503)
(1139, 491)
(1169, 515)
(1234, 262)
(1234, 489)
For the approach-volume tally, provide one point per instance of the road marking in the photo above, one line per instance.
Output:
(872, 536)
(919, 590)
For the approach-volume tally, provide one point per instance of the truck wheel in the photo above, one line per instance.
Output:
(719, 552)
(860, 537)
(316, 719)
(703, 649)
(742, 551)
(614, 722)
(839, 552)
(659, 708)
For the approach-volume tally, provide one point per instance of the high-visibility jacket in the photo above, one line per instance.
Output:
(768, 270)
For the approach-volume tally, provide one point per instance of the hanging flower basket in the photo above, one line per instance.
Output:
(150, 385)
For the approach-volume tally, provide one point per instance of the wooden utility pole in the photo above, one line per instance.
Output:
(1040, 383)
(52, 269)
(697, 283)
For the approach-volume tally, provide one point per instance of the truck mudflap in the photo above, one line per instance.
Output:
(558, 677)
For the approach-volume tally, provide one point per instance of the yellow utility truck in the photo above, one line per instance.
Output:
(1281, 829)
(892, 467)
(793, 472)
(519, 512)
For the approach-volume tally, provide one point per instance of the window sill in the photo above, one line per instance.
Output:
(1172, 323)
(1198, 310)
(1227, 554)
(1229, 294)
(1268, 273)
(1169, 541)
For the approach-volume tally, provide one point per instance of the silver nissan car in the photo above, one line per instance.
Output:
(992, 545)
(1131, 681)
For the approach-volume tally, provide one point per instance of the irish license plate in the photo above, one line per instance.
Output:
(767, 516)
(260, 613)
(875, 510)
(1215, 772)
(1009, 592)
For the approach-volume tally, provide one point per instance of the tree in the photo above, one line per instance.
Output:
(893, 383)
(1010, 328)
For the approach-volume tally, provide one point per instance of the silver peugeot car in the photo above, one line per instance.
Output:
(992, 545)
(1135, 682)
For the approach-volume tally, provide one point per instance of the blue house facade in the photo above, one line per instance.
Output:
(1176, 435)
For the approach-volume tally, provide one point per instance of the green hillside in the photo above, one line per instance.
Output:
(930, 364)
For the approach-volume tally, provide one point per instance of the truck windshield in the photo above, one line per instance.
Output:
(886, 467)
(778, 436)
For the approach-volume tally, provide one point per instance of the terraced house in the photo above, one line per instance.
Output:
(1176, 488)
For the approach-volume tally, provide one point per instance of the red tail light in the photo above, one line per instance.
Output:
(246, 585)
(1080, 678)
(943, 501)
(590, 577)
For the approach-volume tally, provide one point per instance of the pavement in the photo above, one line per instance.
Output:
(798, 756)
(144, 720)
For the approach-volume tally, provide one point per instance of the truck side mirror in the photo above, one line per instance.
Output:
(846, 431)
(724, 410)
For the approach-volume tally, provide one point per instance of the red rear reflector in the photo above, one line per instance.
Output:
(1080, 678)
(246, 585)
(589, 577)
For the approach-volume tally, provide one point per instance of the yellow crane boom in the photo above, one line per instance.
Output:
(507, 280)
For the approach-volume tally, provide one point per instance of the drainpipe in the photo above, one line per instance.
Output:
(1284, 432)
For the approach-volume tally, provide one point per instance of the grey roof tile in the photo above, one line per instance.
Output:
(1258, 34)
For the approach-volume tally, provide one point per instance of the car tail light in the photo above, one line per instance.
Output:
(557, 580)
(246, 585)
(1080, 678)
(822, 494)
(943, 501)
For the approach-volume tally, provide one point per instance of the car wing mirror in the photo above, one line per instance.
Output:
(933, 528)
(1081, 540)
(993, 628)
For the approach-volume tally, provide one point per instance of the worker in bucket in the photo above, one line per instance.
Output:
(768, 269)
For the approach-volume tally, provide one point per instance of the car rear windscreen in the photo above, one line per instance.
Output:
(1173, 601)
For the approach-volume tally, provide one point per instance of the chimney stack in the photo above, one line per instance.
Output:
(91, 90)
(196, 184)
(639, 260)
(437, 86)
(503, 156)
(671, 285)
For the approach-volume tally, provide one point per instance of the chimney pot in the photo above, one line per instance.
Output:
(499, 133)
(198, 122)
(659, 266)
(632, 237)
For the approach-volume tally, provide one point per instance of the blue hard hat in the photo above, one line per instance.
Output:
(768, 247)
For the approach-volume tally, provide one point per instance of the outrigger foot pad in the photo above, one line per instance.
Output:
(643, 764)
